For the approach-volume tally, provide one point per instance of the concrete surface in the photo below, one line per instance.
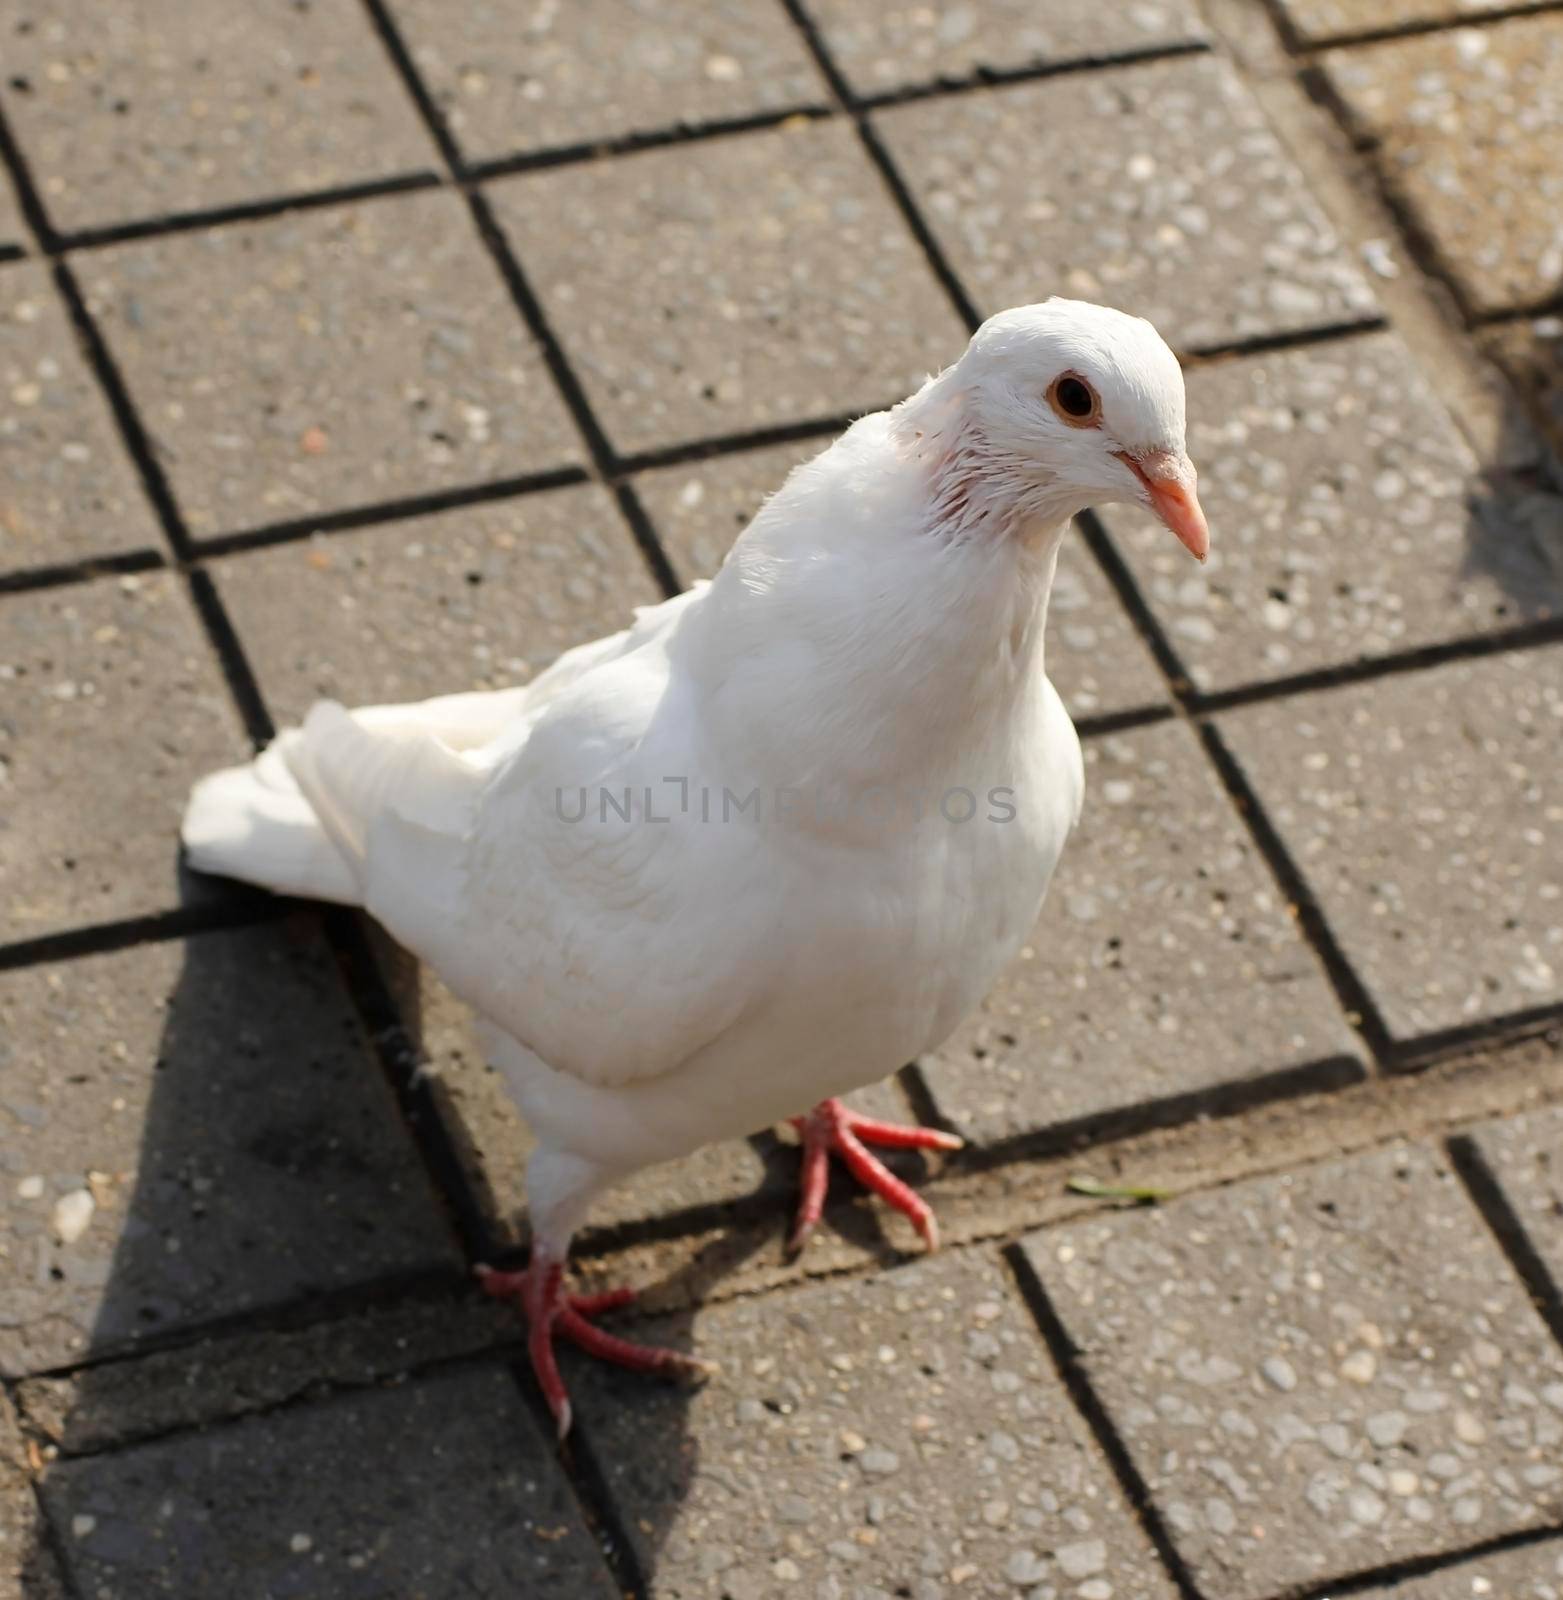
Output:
(369, 336)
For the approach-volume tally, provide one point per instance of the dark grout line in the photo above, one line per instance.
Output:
(650, 546)
(27, 198)
(177, 222)
(1219, 1102)
(67, 572)
(1070, 1363)
(236, 669)
(1006, 77)
(1263, 344)
(1510, 1232)
(595, 1499)
(842, 93)
(726, 444)
(1473, 647)
(399, 1060)
(136, 440)
(1359, 1008)
(384, 511)
(1510, 1027)
(1548, 306)
(1387, 1578)
(242, 908)
(1107, 722)
(1121, 580)
(531, 310)
(588, 150)
(1349, 39)
(395, 46)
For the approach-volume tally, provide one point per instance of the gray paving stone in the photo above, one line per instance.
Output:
(1468, 131)
(146, 110)
(1317, 21)
(439, 1488)
(882, 48)
(772, 280)
(1532, 1572)
(595, 70)
(1340, 503)
(1165, 961)
(1422, 814)
(1184, 209)
(325, 359)
(1525, 1155)
(1317, 1373)
(900, 1434)
(67, 489)
(493, 1142)
(196, 1128)
(113, 707)
(27, 1568)
(479, 598)
(1094, 656)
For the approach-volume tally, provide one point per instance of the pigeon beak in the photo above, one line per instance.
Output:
(1168, 480)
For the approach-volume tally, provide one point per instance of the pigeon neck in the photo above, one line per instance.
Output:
(975, 493)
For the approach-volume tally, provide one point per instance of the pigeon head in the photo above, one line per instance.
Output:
(1079, 405)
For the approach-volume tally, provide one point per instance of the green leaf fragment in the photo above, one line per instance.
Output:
(1135, 1193)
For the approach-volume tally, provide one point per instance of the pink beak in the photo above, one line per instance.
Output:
(1169, 482)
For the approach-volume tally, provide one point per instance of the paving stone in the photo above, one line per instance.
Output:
(1525, 1155)
(442, 1487)
(900, 1434)
(479, 598)
(1317, 1373)
(1468, 130)
(146, 110)
(1165, 961)
(197, 1128)
(882, 48)
(1422, 814)
(1532, 1572)
(772, 281)
(597, 70)
(1186, 211)
(493, 1142)
(1340, 500)
(113, 707)
(67, 489)
(27, 1569)
(1094, 656)
(325, 359)
(1531, 352)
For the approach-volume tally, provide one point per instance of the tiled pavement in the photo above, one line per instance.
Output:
(380, 349)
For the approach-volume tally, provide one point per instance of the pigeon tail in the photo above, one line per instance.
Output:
(253, 823)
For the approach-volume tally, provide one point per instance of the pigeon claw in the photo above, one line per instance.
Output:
(832, 1128)
(551, 1313)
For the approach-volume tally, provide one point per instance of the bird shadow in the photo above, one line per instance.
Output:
(253, 1182)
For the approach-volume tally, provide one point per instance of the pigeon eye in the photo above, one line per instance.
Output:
(1075, 401)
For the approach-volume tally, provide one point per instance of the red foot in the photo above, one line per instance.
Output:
(830, 1126)
(550, 1312)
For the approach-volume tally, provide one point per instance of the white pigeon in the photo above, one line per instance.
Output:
(777, 837)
